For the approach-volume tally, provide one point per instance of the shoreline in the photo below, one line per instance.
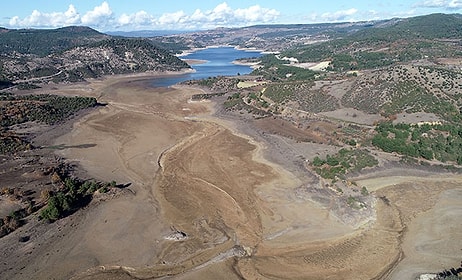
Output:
(195, 61)
(193, 50)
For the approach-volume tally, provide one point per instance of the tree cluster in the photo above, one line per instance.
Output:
(73, 195)
(49, 109)
(344, 161)
(442, 142)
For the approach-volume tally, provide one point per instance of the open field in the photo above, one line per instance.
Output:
(215, 198)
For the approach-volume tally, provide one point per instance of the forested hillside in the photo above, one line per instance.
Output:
(31, 57)
(397, 41)
(43, 42)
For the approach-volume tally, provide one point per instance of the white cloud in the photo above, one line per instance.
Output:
(221, 12)
(56, 19)
(338, 15)
(445, 4)
(221, 15)
(102, 17)
(99, 16)
(179, 18)
(455, 4)
(351, 15)
(137, 20)
(432, 3)
(257, 13)
(71, 15)
(198, 15)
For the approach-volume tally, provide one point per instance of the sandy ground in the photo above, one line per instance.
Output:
(204, 203)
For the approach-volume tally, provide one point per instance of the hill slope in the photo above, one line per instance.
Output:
(407, 65)
(372, 76)
(100, 56)
(395, 41)
(266, 37)
(43, 42)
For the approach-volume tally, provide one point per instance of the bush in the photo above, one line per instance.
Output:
(318, 162)
(50, 212)
(332, 161)
(364, 191)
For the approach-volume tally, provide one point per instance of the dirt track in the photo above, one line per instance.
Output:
(234, 214)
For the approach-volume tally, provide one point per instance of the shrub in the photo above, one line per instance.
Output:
(364, 191)
(318, 162)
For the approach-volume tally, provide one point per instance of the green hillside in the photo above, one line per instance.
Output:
(101, 55)
(43, 42)
(396, 41)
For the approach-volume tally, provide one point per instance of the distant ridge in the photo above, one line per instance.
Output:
(434, 25)
(429, 27)
(146, 33)
(387, 43)
(76, 53)
(43, 42)
(79, 29)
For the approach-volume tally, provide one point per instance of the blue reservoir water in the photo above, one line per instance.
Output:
(219, 63)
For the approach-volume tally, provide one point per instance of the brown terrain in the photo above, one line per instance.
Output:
(213, 196)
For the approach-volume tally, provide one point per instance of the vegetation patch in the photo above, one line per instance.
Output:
(407, 89)
(442, 142)
(280, 92)
(206, 96)
(343, 162)
(355, 203)
(411, 98)
(11, 143)
(71, 195)
(233, 101)
(219, 83)
(282, 72)
(53, 194)
(42, 42)
(49, 109)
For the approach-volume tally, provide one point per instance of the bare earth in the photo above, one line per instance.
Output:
(205, 203)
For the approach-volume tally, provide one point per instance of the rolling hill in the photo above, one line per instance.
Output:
(70, 54)
(43, 42)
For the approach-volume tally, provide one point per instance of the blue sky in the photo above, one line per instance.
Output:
(111, 15)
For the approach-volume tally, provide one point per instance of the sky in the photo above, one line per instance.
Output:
(131, 15)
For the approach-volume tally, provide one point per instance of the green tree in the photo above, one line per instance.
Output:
(318, 162)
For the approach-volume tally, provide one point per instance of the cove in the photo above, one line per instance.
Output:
(219, 63)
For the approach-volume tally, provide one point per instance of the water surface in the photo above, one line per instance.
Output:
(219, 63)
